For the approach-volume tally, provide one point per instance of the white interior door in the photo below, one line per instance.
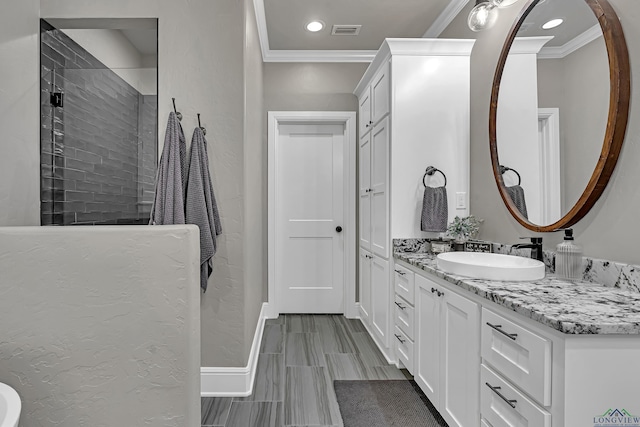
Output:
(309, 216)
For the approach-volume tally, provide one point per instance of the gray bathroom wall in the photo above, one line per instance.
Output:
(201, 64)
(97, 330)
(609, 230)
(255, 187)
(311, 86)
(19, 113)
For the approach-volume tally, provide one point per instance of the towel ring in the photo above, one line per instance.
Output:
(430, 171)
(178, 114)
(504, 169)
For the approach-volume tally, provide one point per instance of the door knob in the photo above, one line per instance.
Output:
(338, 229)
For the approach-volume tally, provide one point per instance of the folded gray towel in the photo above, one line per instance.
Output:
(434, 209)
(517, 196)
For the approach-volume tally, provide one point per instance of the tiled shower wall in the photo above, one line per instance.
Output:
(98, 151)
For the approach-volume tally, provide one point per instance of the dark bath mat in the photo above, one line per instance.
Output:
(385, 404)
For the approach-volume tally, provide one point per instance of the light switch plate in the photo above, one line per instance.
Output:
(461, 200)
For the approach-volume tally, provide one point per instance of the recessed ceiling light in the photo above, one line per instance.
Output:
(552, 24)
(314, 26)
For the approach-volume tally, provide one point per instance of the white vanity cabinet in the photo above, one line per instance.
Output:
(404, 316)
(447, 351)
(481, 364)
(413, 113)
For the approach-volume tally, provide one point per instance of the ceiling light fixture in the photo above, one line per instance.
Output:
(552, 24)
(483, 15)
(314, 26)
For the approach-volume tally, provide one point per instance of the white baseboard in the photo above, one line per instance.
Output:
(235, 382)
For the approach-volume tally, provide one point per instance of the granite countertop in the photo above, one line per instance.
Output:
(569, 307)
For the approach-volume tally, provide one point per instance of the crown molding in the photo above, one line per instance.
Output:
(318, 55)
(572, 45)
(446, 17)
(524, 45)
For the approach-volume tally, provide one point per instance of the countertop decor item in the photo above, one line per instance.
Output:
(463, 229)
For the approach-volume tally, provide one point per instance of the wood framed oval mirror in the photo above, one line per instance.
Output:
(554, 139)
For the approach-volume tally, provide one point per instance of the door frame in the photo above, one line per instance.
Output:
(348, 119)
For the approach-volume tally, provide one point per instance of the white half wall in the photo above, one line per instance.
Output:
(101, 325)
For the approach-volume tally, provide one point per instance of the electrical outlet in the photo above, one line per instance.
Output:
(461, 200)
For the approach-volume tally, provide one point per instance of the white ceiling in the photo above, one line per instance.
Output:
(379, 19)
(284, 38)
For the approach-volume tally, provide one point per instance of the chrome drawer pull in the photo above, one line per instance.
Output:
(399, 338)
(402, 273)
(498, 328)
(402, 307)
(511, 402)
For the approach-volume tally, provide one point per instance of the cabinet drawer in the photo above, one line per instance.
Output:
(523, 357)
(404, 349)
(404, 317)
(502, 405)
(404, 282)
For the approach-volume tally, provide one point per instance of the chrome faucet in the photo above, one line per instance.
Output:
(535, 246)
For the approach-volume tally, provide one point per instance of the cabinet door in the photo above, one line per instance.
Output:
(379, 186)
(380, 289)
(365, 286)
(365, 192)
(460, 360)
(427, 362)
(364, 112)
(380, 94)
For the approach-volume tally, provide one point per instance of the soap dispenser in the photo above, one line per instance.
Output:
(569, 258)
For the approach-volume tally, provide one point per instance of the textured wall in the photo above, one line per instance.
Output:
(200, 63)
(91, 148)
(311, 86)
(255, 187)
(19, 118)
(608, 231)
(99, 330)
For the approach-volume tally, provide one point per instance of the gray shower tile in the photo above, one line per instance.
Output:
(335, 338)
(214, 411)
(258, 414)
(269, 380)
(303, 349)
(272, 339)
(346, 367)
(368, 350)
(301, 323)
(310, 399)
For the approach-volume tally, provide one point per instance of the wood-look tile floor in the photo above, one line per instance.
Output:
(300, 356)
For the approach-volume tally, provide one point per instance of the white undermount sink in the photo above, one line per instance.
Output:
(479, 265)
(10, 406)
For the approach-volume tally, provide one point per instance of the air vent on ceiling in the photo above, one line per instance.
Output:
(345, 30)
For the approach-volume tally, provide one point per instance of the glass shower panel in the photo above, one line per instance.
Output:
(98, 138)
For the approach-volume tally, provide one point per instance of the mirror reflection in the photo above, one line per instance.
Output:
(552, 109)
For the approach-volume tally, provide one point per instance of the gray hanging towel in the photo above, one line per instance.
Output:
(517, 196)
(201, 206)
(168, 203)
(434, 209)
